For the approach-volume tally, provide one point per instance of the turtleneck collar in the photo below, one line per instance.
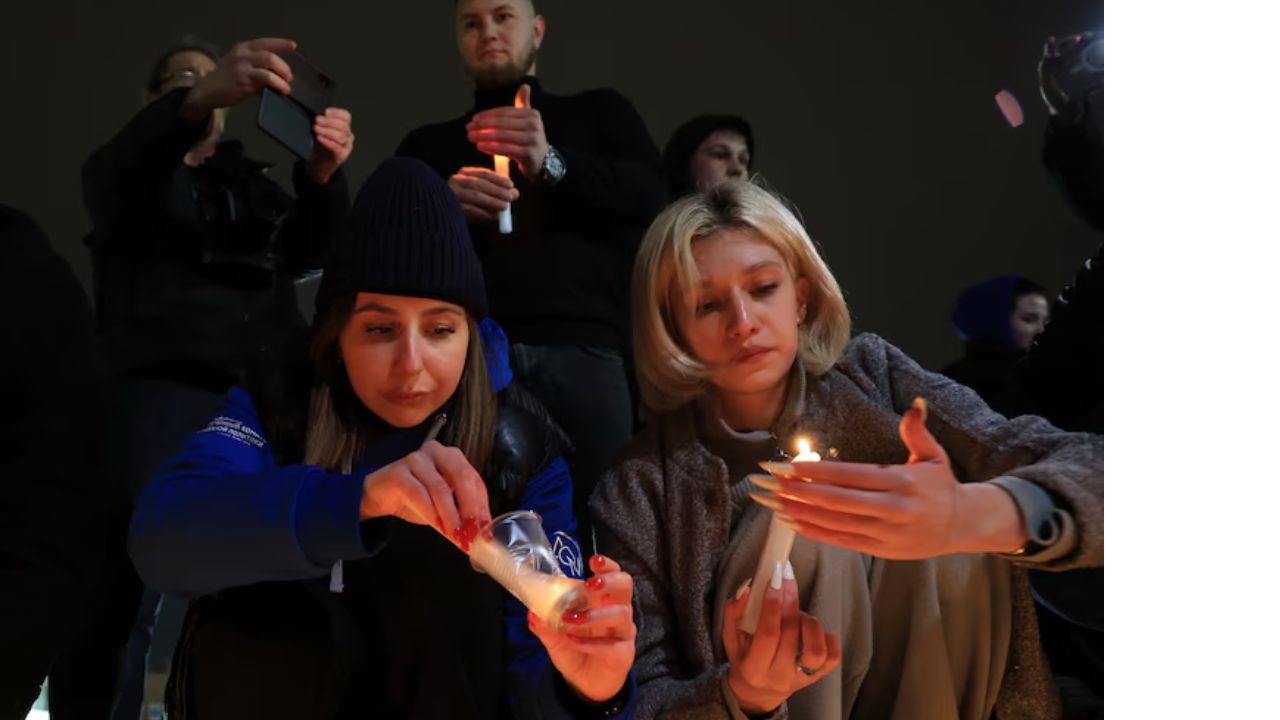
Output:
(492, 97)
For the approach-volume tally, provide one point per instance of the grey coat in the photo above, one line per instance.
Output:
(663, 512)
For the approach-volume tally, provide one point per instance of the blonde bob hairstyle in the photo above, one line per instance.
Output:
(668, 373)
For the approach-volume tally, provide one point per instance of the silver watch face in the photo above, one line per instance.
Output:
(553, 166)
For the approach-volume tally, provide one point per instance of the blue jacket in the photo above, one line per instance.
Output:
(224, 514)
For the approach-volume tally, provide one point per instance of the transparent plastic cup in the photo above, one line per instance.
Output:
(513, 550)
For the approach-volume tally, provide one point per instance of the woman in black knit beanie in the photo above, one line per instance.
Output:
(320, 533)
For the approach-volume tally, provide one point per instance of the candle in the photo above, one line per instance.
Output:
(777, 549)
(502, 165)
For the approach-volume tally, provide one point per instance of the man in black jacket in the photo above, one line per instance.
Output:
(588, 181)
(195, 253)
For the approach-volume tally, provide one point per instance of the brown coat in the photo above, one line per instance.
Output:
(663, 513)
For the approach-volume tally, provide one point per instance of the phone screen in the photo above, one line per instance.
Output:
(288, 119)
(286, 122)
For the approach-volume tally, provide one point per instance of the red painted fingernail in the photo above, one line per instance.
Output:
(597, 562)
(595, 583)
(470, 528)
(574, 618)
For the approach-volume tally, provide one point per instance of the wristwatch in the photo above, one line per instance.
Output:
(552, 167)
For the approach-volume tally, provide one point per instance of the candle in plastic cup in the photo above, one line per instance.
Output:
(514, 551)
(777, 549)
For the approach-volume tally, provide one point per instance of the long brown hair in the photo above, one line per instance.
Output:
(338, 424)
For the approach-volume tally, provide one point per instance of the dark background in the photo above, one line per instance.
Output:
(876, 119)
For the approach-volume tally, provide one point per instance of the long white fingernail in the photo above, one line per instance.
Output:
(775, 582)
(789, 573)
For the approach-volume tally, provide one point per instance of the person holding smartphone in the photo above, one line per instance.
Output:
(195, 251)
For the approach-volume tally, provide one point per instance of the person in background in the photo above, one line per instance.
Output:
(585, 180)
(707, 150)
(322, 536)
(1061, 378)
(998, 319)
(194, 251)
(54, 504)
(906, 592)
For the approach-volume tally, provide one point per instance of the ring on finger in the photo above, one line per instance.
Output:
(805, 669)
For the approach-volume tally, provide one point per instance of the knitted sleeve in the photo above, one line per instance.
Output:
(627, 511)
(984, 445)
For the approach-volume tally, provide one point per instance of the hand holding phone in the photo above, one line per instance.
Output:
(250, 67)
(334, 142)
(298, 115)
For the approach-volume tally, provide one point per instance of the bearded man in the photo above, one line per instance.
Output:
(585, 181)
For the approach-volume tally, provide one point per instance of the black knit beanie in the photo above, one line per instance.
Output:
(406, 236)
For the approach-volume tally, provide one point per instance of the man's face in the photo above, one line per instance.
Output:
(185, 69)
(498, 40)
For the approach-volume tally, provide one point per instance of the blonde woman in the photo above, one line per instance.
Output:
(325, 566)
(906, 594)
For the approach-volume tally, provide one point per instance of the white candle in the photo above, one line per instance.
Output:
(502, 166)
(777, 549)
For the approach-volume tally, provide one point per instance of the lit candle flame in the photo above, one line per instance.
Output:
(806, 452)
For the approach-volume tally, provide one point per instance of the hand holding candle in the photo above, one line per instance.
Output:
(777, 545)
(514, 131)
(594, 646)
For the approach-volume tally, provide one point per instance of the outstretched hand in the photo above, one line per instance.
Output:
(901, 512)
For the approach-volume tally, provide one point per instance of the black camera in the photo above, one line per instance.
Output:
(1071, 74)
(238, 215)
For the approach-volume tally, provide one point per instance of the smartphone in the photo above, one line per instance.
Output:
(288, 119)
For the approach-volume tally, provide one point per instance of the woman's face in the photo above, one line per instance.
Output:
(722, 156)
(743, 323)
(1030, 315)
(404, 355)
